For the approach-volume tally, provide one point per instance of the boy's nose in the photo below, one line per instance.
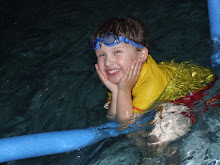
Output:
(108, 61)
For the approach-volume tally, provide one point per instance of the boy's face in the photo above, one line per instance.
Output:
(114, 61)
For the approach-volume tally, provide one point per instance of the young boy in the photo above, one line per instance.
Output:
(136, 82)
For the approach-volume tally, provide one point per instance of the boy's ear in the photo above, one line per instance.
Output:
(144, 53)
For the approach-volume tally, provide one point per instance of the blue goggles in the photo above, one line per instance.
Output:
(111, 40)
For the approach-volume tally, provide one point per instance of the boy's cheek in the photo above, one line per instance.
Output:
(99, 66)
(101, 69)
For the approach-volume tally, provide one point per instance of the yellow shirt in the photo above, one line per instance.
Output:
(166, 81)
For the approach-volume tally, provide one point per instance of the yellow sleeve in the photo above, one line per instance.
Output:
(109, 97)
(151, 83)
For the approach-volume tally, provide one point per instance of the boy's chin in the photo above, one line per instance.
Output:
(114, 81)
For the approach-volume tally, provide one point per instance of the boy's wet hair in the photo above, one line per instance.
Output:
(130, 28)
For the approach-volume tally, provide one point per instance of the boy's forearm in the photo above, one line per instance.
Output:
(124, 106)
(111, 113)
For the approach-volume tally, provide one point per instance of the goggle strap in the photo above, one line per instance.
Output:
(128, 41)
(96, 44)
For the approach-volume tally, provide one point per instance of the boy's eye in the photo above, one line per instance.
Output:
(117, 52)
(101, 55)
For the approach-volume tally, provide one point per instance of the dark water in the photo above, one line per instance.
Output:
(48, 81)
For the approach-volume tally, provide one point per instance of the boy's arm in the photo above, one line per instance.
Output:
(124, 100)
(124, 106)
(111, 112)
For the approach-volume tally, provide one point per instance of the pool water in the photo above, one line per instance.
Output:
(48, 80)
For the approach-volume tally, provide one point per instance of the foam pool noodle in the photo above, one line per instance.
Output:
(28, 146)
(214, 24)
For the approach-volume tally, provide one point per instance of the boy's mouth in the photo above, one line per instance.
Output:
(112, 72)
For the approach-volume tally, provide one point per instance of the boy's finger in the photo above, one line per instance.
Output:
(127, 73)
(101, 76)
(136, 68)
(97, 69)
(133, 66)
(140, 66)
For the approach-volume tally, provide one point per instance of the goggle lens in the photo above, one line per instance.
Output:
(109, 39)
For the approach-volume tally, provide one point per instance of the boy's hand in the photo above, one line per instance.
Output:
(131, 76)
(112, 87)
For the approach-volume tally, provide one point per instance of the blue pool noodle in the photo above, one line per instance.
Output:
(28, 146)
(214, 24)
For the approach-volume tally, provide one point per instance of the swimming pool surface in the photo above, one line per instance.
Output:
(48, 80)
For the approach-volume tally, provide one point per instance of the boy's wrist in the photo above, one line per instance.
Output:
(124, 91)
(114, 93)
(125, 87)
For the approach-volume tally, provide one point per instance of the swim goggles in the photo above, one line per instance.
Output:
(111, 40)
